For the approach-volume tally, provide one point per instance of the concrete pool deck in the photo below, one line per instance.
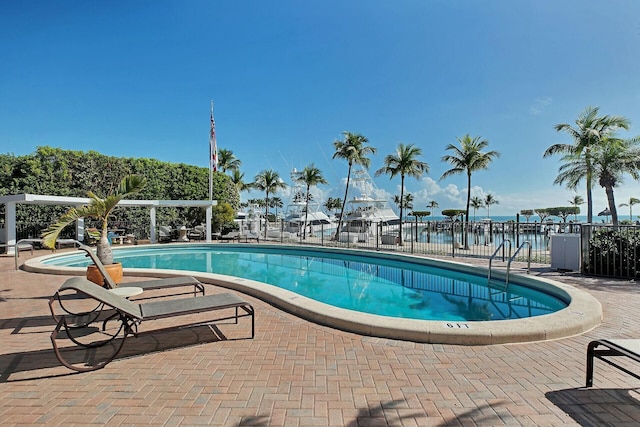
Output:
(297, 373)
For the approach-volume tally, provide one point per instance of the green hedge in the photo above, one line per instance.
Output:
(58, 172)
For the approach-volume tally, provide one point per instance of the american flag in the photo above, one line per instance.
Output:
(213, 146)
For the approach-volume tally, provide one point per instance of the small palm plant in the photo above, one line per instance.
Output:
(99, 209)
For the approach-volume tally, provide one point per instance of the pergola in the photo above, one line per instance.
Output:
(12, 201)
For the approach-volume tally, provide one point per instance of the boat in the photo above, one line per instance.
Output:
(296, 213)
(250, 220)
(366, 214)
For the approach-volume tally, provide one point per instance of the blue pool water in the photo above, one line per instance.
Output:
(371, 284)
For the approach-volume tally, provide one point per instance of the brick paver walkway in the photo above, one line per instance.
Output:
(296, 373)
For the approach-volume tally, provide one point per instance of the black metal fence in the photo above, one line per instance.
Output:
(443, 238)
(611, 251)
(605, 250)
(30, 230)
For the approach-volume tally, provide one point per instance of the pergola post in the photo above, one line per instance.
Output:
(152, 224)
(80, 230)
(10, 227)
(209, 216)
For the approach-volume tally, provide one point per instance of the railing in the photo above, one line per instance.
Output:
(501, 246)
(611, 251)
(527, 243)
(441, 238)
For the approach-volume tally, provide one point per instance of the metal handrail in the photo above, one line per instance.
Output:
(525, 243)
(495, 253)
(17, 246)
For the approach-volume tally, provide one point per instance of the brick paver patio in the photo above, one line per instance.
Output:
(296, 373)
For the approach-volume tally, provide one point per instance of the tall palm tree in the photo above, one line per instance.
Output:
(588, 132)
(309, 176)
(476, 203)
(611, 161)
(608, 161)
(576, 202)
(404, 163)
(100, 209)
(354, 150)
(632, 201)
(268, 181)
(227, 160)
(468, 158)
(488, 201)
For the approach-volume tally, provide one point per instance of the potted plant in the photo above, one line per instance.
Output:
(100, 209)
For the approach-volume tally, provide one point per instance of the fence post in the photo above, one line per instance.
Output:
(453, 240)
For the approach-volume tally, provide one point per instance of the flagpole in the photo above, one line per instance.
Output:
(212, 153)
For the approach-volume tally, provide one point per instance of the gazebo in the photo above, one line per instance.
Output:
(12, 201)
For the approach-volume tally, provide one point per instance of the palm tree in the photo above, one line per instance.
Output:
(576, 202)
(432, 205)
(613, 158)
(100, 209)
(276, 202)
(227, 160)
(468, 158)
(608, 161)
(589, 131)
(488, 201)
(476, 203)
(309, 176)
(632, 201)
(404, 163)
(238, 179)
(333, 204)
(268, 181)
(407, 203)
(354, 150)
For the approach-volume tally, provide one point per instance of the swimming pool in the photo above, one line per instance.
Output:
(361, 285)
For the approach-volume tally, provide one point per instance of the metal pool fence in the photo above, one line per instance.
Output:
(611, 251)
(443, 238)
(604, 249)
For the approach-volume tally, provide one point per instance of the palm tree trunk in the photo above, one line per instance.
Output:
(306, 215)
(401, 204)
(266, 215)
(589, 195)
(344, 202)
(465, 236)
(612, 204)
(103, 248)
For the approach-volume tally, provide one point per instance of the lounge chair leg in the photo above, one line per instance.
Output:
(590, 349)
(61, 359)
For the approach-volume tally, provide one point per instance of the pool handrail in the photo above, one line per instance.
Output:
(525, 243)
(496, 253)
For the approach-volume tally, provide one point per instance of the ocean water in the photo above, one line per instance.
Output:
(505, 218)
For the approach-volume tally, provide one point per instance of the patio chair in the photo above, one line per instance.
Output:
(171, 282)
(629, 348)
(130, 315)
(165, 233)
(92, 235)
(233, 235)
(197, 233)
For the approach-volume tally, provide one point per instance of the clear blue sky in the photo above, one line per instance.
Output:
(135, 78)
